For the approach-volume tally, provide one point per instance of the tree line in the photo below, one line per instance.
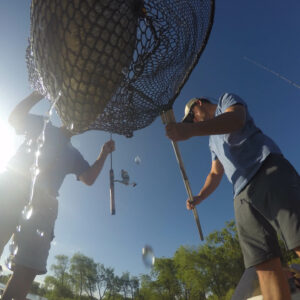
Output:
(210, 271)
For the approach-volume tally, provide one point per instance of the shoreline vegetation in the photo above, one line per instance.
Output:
(207, 272)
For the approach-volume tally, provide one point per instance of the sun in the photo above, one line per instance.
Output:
(8, 144)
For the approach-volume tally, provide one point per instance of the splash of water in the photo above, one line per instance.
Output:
(137, 160)
(148, 256)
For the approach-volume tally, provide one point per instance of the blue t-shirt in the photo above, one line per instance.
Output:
(241, 152)
(58, 156)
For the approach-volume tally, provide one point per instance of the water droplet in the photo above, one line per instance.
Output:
(28, 150)
(40, 233)
(125, 71)
(47, 119)
(137, 160)
(8, 263)
(27, 212)
(148, 256)
(38, 153)
(12, 246)
(70, 127)
(35, 171)
(18, 228)
(49, 113)
(138, 68)
(41, 140)
(15, 251)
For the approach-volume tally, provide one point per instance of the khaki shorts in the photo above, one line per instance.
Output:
(268, 205)
(34, 235)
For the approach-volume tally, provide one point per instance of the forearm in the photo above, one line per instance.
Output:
(211, 183)
(22, 109)
(89, 176)
(225, 123)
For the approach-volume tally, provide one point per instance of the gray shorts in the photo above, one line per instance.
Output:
(14, 192)
(34, 235)
(268, 205)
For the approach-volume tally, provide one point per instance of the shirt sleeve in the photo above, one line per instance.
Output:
(229, 99)
(213, 154)
(80, 165)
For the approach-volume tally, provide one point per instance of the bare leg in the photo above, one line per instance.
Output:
(272, 280)
(297, 250)
(19, 284)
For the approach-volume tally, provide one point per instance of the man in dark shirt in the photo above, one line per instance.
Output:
(33, 225)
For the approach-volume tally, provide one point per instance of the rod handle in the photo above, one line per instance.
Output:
(112, 192)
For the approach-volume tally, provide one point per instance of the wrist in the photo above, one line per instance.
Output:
(103, 154)
(200, 198)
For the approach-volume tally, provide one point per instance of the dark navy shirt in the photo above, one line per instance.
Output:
(241, 152)
(58, 156)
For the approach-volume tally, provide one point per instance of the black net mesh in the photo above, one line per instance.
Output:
(117, 63)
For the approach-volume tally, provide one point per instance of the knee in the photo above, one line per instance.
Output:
(269, 265)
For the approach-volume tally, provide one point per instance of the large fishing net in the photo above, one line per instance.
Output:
(117, 63)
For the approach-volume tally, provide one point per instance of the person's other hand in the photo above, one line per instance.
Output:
(109, 147)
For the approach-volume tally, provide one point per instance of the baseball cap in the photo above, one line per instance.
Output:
(187, 109)
(188, 106)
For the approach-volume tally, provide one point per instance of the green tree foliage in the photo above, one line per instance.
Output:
(149, 290)
(84, 274)
(104, 280)
(192, 279)
(164, 270)
(210, 271)
(60, 269)
(221, 260)
(134, 287)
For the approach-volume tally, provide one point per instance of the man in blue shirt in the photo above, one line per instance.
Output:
(266, 187)
(34, 231)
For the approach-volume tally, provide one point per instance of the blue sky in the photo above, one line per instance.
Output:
(154, 211)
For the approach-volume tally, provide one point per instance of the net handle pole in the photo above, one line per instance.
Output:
(168, 117)
(112, 186)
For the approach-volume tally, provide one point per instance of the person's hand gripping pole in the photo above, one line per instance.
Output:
(168, 117)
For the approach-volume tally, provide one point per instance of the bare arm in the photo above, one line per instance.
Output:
(212, 181)
(231, 120)
(90, 175)
(22, 109)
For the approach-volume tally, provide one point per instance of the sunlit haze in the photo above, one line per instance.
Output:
(8, 144)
